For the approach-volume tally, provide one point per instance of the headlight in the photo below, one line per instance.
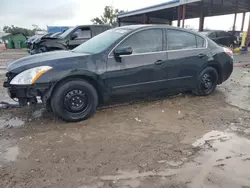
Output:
(29, 76)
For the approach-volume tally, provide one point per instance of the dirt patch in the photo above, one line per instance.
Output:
(180, 141)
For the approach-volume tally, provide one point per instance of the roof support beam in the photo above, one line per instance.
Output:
(248, 33)
(179, 16)
(202, 17)
(243, 21)
(201, 22)
(145, 19)
(235, 17)
(183, 15)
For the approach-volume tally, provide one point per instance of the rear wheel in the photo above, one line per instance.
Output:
(74, 100)
(207, 82)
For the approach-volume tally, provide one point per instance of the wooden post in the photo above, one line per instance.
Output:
(183, 15)
(243, 21)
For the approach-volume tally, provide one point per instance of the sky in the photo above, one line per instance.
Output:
(25, 13)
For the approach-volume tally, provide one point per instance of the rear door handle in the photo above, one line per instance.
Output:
(158, 62)
(201, 55)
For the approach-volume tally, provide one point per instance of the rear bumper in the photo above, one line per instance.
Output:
(227, 70)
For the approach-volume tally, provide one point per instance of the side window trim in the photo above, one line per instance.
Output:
(165, 31)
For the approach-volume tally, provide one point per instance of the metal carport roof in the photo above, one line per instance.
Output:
(193, 8)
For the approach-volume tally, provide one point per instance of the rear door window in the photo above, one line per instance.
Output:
(177, 40)
(222, 34)
(200, 42)
(212, 35)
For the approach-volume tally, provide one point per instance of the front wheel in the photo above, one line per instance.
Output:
(206, 82)
(74, 100)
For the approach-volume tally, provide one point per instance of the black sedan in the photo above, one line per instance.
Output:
(122, 61)
(222, 37)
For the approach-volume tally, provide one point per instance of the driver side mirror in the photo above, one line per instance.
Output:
(127, 50)
(73, 36)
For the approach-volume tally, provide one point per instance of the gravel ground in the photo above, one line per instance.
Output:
(172, 142)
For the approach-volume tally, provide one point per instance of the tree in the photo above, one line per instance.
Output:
(108, 17)
(15, 30)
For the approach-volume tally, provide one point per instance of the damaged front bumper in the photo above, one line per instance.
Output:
(27, 93)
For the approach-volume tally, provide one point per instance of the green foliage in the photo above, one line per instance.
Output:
(15, 30)
(108, 17)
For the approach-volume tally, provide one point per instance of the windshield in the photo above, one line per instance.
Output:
(55, 34)
(101, 42)
(66, 33)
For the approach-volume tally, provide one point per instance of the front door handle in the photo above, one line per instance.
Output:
(158, 62)
(201, 55)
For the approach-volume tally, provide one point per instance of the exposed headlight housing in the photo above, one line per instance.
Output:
(229, 52)
(29, 76)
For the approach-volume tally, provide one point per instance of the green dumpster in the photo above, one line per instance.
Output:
(8, 41)
(15, 41)
(17, 44)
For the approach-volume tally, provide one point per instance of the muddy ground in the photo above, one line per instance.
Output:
(172, 142)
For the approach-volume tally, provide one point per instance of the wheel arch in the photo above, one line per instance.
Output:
(216, 65)
(89, 79)
(53, 45)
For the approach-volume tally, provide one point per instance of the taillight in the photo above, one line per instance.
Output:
(229, 52)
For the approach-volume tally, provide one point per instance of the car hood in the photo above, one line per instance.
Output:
(38, 40)
(49, 58)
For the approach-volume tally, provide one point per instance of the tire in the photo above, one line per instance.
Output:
(207, 82)
(74, 100)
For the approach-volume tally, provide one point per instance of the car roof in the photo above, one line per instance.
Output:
(94, 25)
(138, 27)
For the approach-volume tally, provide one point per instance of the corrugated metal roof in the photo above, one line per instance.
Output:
(166, 5)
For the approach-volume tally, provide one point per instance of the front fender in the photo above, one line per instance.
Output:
(53, 45)
(54, 78)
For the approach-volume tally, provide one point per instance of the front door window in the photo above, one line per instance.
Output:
(145, 41)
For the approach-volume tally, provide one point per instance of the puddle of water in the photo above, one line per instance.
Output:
(8, 152)
(11, 154)
(124, 175)
(211, 136)
(6, 122)
(38, 113)
(223, 161)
